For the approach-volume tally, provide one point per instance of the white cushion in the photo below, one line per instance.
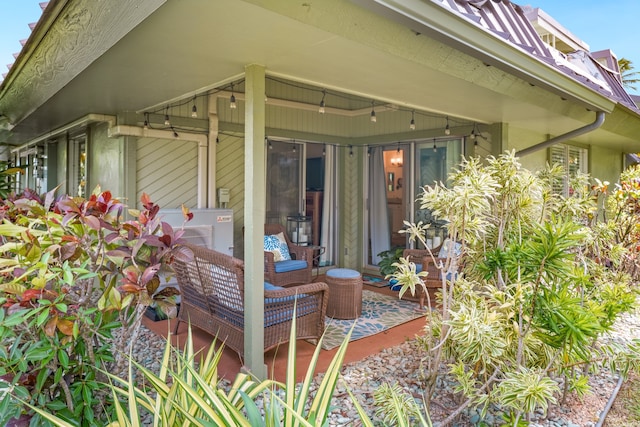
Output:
(277, 245)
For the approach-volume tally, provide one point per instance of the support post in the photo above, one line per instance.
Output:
(255, 206)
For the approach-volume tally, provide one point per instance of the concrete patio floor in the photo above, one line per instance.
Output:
(230, 363)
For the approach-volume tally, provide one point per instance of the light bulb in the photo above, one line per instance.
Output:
(321, 109)
(232, 102)
(146, 124)
(373, 116)
(324, 151)
(351, 151)
(447, 129)
(166, 120)
(435, 149)
(412, 124)
(194, 111)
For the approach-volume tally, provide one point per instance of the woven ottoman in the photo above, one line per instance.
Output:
(345, 293)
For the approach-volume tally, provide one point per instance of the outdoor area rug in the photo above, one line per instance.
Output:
(379, 313)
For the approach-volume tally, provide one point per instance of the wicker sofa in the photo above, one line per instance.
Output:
(212, 298)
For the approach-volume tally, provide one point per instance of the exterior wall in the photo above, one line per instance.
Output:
(105, 161)
(519, 139)
(229, 169)
(58, 152)
(167, 170)
(605, 164)
(350, 205)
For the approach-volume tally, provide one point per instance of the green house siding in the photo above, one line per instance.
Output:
(230, 174)
(167, 170)
(605, 164)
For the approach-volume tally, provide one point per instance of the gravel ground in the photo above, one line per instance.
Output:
(400, 364)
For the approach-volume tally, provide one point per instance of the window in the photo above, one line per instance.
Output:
(573, 159)
(78, 165)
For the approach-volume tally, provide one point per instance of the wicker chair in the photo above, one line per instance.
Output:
(425, 262)
(280, 273)
(212, 298)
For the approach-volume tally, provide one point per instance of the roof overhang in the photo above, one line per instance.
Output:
(455, 30)
(377, 52)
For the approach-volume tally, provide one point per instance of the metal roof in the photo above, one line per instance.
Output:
(509, 21)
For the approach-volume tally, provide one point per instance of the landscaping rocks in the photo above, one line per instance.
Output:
(401, 365)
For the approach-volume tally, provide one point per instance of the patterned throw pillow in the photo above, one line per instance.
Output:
(278, 247)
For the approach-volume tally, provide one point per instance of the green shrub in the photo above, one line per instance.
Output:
(76, 279)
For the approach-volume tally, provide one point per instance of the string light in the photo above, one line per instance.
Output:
(324, 150)
(435, 149)
(294, 147)
(369, 152)
(232, 100)
(447, 129)
(412, 124)
(146, 120)
(351, 151)
(166, 118)
(373, 114)
(321, 109)
(194, 109)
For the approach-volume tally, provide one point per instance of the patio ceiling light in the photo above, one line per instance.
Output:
(373, 114)
(412, 124)
(166, 118)
(232, 100)
(321, 109)
(447, 129)
(194, 109)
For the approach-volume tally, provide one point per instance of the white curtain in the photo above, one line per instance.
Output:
(379, 232)
(328, 219)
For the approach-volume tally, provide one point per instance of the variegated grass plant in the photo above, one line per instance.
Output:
(543, 277)
(188, 391)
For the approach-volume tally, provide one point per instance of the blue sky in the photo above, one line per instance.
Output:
(602, 25)
(14, 26)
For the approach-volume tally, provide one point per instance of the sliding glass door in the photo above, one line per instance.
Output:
(285, 181)
(301, 183)
(433, 163)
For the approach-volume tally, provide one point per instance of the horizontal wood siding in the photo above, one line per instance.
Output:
(167, 170)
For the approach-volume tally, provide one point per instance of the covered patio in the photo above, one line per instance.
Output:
(181, 99)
